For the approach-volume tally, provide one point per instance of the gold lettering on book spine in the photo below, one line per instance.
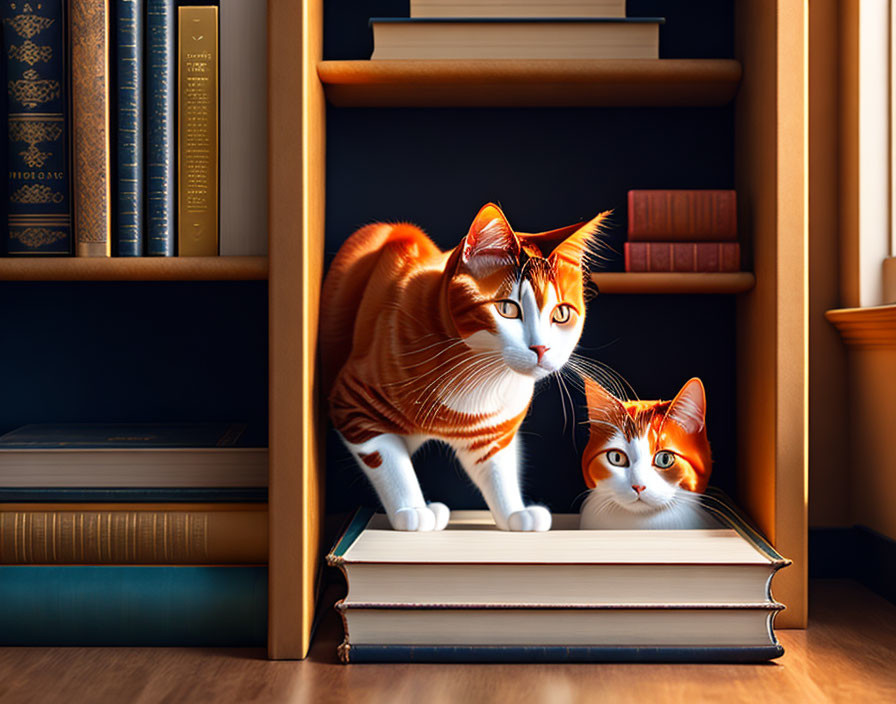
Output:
(103, 537)
(197, 73)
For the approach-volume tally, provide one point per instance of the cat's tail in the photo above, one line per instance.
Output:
(344, 287)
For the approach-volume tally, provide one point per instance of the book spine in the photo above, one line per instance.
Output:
(38, 197)
(141, 534)
(349, 653)
(682, 256)
(184, 495)
(663, 216)
(197, 109)
(130, 127)
(244, 129)
(90, 126)
(133, 606)
(160, 157)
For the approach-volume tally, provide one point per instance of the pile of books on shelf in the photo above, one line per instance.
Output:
(678, 230)
(516, 29)
(477, 594)
(136, 128)
(133, 534)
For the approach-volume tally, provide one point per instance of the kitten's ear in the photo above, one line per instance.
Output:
(490, 243)
(576, 248)
(601, 403)
(688, 409)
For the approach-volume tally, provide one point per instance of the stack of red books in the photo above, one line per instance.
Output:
(682, 231)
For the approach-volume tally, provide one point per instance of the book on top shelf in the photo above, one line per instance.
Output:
(682, 256)
(515, 38)
(682, 216)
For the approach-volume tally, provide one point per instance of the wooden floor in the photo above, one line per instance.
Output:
(848, 654)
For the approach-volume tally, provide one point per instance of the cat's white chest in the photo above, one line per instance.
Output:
(498, 399)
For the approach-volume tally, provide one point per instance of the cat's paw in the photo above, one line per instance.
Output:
(441, 512)
(532, 518)
(421, 519)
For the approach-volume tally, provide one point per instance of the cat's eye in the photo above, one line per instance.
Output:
(508, 309)
(562, 314)
(617, 458)
(664, 459)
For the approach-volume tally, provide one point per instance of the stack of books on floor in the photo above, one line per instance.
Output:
(678, 230)
(133, 535)
(516, 29)
(136, 128)
(473, 593)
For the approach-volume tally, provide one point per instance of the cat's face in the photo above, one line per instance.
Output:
(520, 296)
(643, 456)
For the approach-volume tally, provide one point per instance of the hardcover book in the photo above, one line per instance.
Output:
(679, 215)
(244, 128)
(90, 127)
(516, 38)
(133, 534)
(682, 256)
(160, 156)
(197, 109)
(38, 198)
(473, 591)
(130, 165)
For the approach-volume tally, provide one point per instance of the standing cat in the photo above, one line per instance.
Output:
(646, 461)
(420, 344)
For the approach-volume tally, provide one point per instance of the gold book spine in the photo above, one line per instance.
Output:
(90, 127)
(133, 534)
(197, 118)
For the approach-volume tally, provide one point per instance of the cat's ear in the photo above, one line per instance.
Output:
(491, 243)
(576, 248)
(601, 403)
(688, 408)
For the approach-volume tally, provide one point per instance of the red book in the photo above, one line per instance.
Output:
(682, 256)
(682, 216)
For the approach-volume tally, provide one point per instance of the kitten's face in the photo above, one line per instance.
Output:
(645, 456)
(508, 299)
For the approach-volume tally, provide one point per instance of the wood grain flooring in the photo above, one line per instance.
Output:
(848, 654)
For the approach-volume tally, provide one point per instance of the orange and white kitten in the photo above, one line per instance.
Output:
(420, 344)
(646, 461)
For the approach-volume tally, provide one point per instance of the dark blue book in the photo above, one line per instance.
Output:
(133, 606)
(38, 195)
(160, 156)
(130, 165)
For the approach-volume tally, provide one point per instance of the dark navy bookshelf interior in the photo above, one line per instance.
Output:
(547, 167)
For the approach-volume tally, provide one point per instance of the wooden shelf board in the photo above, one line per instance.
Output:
(134, 269)
(621, 282)
(556, 83)
(870, 327)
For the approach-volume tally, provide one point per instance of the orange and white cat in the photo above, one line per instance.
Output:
(419, 345)
(646, 462)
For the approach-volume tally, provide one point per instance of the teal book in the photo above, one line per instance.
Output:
(38, 193)
(133, 606)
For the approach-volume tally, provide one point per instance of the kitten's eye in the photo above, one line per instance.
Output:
(508, 309)
(664, 459)
(562, 314)
(617, 458)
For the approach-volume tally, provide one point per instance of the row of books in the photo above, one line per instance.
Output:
(133, 535)
(477, 594)
(516, 29)
(682, 230)
(136, 128)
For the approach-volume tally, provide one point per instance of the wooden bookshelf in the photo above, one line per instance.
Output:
(134, 269)
(620, 282)
(505, 83)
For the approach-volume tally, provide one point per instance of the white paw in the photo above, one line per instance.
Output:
(416, 519)
(441, 512)
(533, 518)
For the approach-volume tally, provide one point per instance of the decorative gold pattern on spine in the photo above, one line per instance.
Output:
(30, 53)
(37, 236)
(29, 25)
(90, 123)
(197, 78)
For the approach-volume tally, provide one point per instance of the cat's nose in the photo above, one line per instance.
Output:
(638, 488)
(539, 350)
